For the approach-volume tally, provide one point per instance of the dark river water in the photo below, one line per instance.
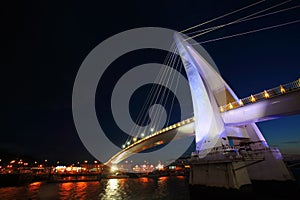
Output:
(173, 187)
(132, 188)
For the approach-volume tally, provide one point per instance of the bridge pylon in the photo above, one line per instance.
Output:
(227, 155)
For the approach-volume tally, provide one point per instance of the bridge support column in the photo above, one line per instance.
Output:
(223, 174)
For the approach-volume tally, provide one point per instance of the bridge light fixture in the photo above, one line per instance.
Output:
(230, 106)
(123, 146)
(128, 143)
(241, 102)
(221, 109)
(134, 139)
(266, 94)
(142, 134)
(252, 98)
(152, 129)
(282, 90)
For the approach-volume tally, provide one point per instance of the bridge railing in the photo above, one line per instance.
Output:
(281, 89)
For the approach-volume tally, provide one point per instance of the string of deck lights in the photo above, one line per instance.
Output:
(295, 85)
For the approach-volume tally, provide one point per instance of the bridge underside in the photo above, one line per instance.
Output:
(186, 130)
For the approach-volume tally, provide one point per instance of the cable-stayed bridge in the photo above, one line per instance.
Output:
(220, 120)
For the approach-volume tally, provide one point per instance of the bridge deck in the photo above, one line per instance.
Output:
(271, 97)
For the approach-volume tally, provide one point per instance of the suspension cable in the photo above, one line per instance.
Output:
(225, 15)
(248, 19)
(253, 14)
(248, 32)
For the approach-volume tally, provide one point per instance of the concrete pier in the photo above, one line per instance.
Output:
(226, 174)
(232, 168)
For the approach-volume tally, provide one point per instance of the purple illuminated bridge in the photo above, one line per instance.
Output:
(224, 122)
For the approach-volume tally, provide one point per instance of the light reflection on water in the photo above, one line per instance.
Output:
(139, 188)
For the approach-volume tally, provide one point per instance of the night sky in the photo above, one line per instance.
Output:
(44, 43)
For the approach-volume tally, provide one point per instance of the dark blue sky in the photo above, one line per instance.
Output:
(45, 42)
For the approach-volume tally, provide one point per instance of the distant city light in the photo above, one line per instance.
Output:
(160, 166)
(114, 168)
(172, 167)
